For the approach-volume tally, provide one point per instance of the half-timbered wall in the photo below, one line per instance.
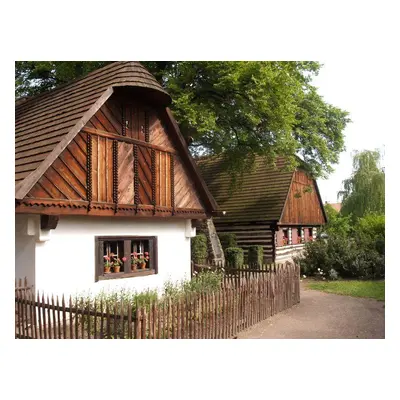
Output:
(302, 205)
(123, 161)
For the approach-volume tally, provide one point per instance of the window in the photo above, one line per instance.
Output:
(299, 239)
(285, 237)
(310, 234)
(124, 257)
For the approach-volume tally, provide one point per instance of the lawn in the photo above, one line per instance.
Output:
(371, 289)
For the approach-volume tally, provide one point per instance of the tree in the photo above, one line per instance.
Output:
(337, 224)
(237, 109)
(364, 191)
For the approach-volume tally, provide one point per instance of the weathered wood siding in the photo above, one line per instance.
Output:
(302, 205)
(250, 234)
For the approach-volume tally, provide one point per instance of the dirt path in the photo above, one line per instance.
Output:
(324, 316)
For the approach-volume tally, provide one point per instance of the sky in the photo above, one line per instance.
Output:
(352, 86)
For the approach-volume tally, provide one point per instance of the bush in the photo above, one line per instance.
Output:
(199, 249)
(370, 232)
(349, 258)
(255, 256)
(227, 240)
(234, 257)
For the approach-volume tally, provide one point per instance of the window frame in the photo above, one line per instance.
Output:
(99, 264)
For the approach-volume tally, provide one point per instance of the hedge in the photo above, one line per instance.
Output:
(255, 256)
(227, 240)
(234, 257)
(199, 249)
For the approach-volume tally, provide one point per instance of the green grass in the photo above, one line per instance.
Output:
(370, 289)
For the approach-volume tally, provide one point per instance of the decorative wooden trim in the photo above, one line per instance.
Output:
(115, 175)
(136, 176)
(123, 119)
(146, 127)
(126, 139)
(48, 221)
(89, 189)
(76, 207)
(172, 169)
(153, 179)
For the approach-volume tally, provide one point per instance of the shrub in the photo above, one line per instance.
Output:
(255, 256)
(370, 232)
(206, 281)
(350, 258)
(234, 257)
(227, 240)
(199, 249)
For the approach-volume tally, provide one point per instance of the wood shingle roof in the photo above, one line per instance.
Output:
(261, 197)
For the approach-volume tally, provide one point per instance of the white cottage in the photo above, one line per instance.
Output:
(106, 192)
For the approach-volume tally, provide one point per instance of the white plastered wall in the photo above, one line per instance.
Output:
(26, 228)
(64, 263)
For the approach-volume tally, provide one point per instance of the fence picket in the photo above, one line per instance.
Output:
(138, 331)
(122, 320)
(144, 323)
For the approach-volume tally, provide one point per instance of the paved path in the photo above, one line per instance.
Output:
(324, 316)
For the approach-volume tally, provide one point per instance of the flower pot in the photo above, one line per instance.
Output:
(133, 267)
(107, 270)
(117, 268)
(143, 265)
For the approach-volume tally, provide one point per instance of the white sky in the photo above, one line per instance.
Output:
(353, 86)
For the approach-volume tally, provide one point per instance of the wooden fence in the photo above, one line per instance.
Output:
(244, 299)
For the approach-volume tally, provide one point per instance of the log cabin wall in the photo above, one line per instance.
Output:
(251, 234)
(123, 161)
(303, 206)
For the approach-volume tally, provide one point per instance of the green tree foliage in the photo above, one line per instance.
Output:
(370, 231)
(364, 191)
(238, 109)
(34, 77)
(337, 224)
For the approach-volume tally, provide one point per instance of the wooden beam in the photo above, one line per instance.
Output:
(111, 135)
(48, 221)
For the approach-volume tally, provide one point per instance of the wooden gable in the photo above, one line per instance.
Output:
(303, 205)
(123, 162)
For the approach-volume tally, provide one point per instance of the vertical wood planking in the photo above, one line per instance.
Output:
(95, 167)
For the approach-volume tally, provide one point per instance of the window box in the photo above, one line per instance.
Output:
(118, 251)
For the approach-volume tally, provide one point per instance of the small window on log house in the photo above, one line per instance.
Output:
(285, 239)
(299, 239)
(123, 257)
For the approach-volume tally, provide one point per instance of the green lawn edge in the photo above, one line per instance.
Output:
(365, 289)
